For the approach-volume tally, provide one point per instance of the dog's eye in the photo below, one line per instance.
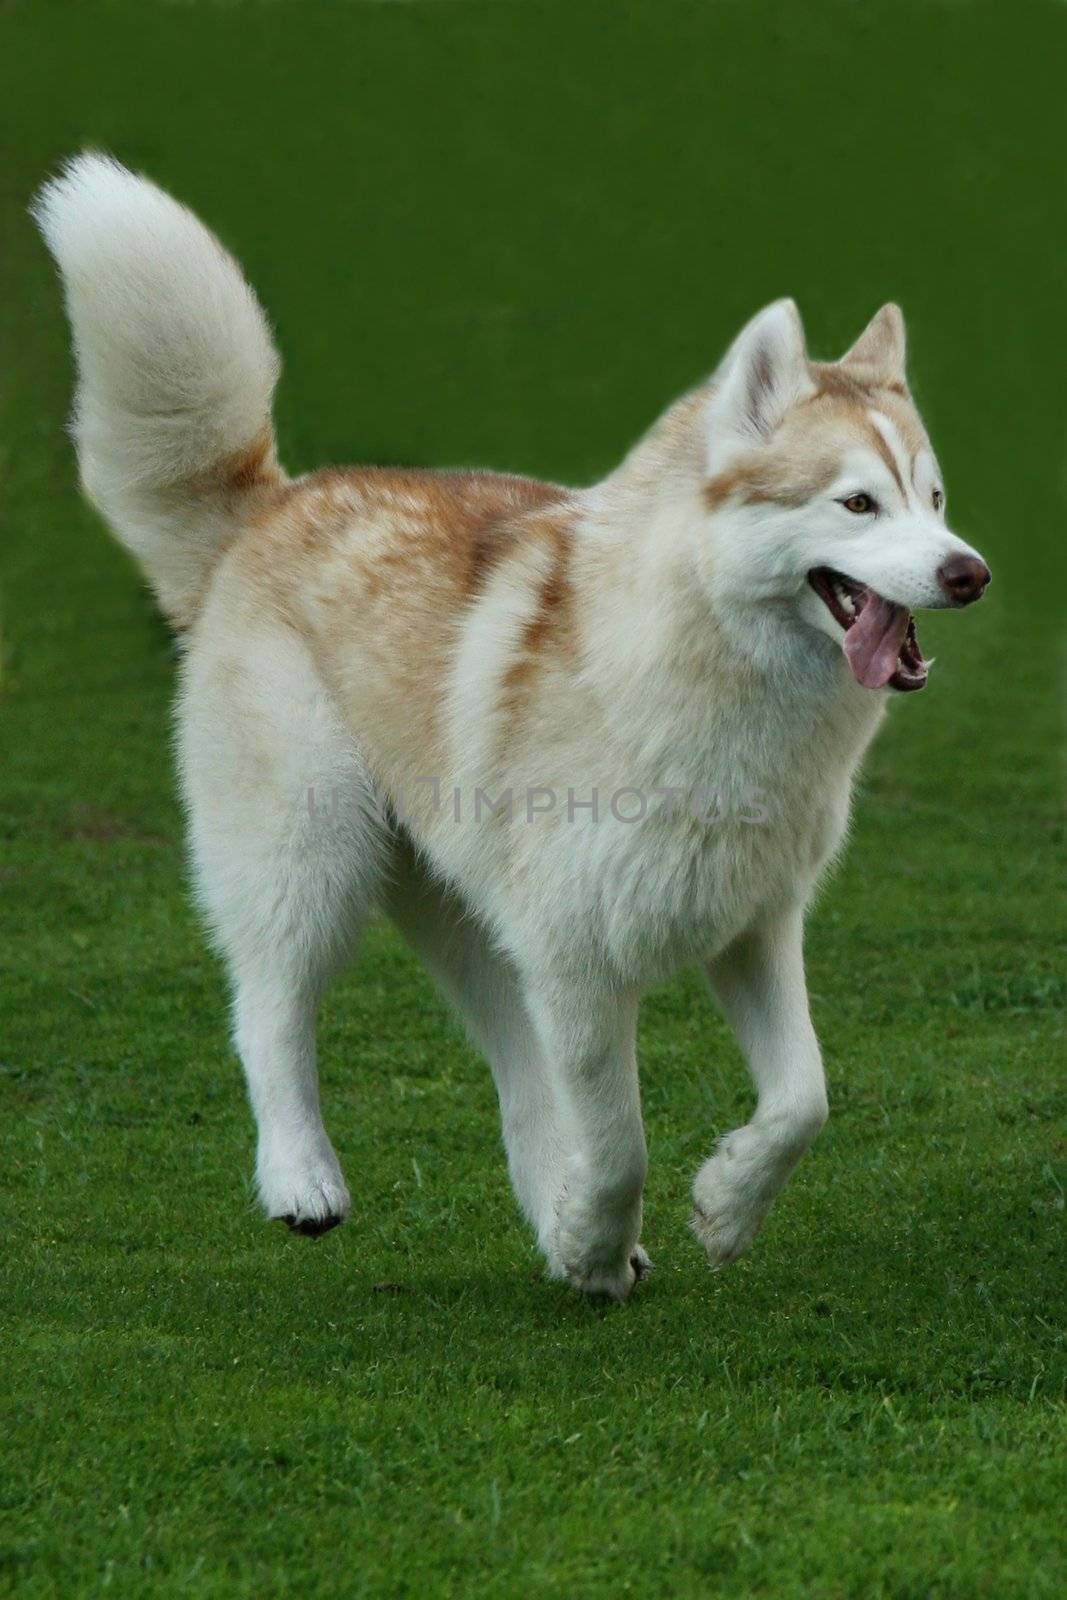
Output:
(859, 503)
(938, 498)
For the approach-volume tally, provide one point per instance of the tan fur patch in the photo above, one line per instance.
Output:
(898, 407)
(834, 382)
(251, 467)
(888, 458)
(797, 464)
(378, 566)
(803, 457)
(462, 518)
(550, 621)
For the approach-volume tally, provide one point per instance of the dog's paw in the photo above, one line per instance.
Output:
(602, 1282)
(309, 1196)
(641, 1263)
(313, 1227)
(605, 1285)
(725, 1218)
(723, 1235)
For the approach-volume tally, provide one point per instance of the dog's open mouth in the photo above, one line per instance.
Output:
(879, 643)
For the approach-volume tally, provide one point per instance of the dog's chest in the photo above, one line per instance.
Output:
(681, 887)
(678, 863)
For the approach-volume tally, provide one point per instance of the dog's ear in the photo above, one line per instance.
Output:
(764, 372)
(881, 349)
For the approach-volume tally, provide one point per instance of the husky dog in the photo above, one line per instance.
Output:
(524, 696)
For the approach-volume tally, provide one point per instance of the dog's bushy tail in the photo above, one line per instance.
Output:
(176, 372)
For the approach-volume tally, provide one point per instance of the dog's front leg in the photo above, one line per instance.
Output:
(588, 1039)
(759, 984)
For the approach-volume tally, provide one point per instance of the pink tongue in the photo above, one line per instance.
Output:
(874, 641)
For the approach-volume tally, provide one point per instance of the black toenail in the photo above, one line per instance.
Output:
(310, 1227)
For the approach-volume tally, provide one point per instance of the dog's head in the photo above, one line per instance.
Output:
(825, 496)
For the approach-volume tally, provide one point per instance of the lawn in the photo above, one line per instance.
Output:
(507, 233)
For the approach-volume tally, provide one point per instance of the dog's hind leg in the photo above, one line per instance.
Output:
(484, 989)
(759, 984)
(287, 853)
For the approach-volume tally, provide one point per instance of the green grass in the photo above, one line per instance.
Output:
(506, 234)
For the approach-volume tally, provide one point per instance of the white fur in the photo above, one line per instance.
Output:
(176, 368)
(765, 373)
(707, 663)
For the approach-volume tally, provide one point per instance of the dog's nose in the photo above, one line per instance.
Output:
(963, 579)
